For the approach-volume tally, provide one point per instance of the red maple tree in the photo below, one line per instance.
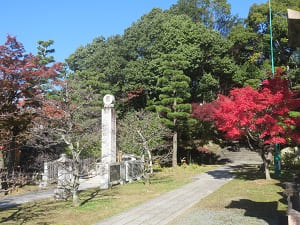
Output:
(21, 94)
(262, 116)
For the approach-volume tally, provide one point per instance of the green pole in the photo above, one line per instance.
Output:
(277, 166)
(271, 38)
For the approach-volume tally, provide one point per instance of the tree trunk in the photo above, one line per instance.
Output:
(266, 164)
(266, 161)
(145, 148)
(174, 155)
(1, 160)
(10, 156)
(150, 161)
(267, 171)
(75, 185)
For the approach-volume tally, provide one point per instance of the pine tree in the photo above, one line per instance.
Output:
(174, 88)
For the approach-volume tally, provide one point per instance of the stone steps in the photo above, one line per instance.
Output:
(242, 156)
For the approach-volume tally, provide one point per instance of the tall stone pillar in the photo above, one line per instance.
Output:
(108, 148)
(109, 153)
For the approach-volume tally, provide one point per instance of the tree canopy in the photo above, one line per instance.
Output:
(220, 52)
(263, 117)
(21, 94)
(196, 51)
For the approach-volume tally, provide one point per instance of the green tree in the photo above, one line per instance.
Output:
(215, 14)
(258, 21)
(129, 62)
(130, 66)
(73, 120)
(251, 43)
(44, 51)
(107, 57)
(206, 51)
(172, 106)
(142, 133)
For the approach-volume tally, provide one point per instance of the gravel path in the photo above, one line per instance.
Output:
(219, 217)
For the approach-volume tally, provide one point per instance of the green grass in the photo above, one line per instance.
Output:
(99, 204)
(249, 186)
(250, 195)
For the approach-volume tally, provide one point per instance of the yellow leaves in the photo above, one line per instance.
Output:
(255, 57)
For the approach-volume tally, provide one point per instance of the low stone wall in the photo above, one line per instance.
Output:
(292, 191)
(119, 173)
(115, 175)
(50, 174)
(134, 170)
(109, 174)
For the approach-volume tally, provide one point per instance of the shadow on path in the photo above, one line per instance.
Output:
(223, 173)
(6, 203)
(260, 210)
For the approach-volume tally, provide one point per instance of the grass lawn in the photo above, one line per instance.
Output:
(247, 199)
(98, 204)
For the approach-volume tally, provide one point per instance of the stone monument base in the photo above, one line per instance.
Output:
(103, 171)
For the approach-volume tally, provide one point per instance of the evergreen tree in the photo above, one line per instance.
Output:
(174, 88)
(214, 14)
(44, 51)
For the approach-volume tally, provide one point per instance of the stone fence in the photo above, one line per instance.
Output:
(133, 170)
(107, 174)
(50, 174)
(292, 191)
(115, 173)
(126, 171)
(119, 173)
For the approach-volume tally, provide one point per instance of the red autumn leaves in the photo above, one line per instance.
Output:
(267, 112)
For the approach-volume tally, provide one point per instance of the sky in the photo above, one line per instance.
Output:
(74, 23)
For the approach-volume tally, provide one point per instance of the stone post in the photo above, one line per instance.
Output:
(45, 176)
(64, 178)
(109, 147)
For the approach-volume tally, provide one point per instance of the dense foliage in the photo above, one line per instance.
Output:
(196, 44)
(251, 43)
(162, 63)
(142, 133)
(21, 94)
(263, 117)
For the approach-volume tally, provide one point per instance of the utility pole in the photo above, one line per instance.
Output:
(277, 166)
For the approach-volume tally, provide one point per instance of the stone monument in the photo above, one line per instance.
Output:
(63, 190)
(108, 148)
(109, 153)
(109, 170)
(294, 28)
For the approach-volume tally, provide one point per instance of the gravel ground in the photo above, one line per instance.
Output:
(218, 217)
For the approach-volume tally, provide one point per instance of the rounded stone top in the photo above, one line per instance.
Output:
(108, 100)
